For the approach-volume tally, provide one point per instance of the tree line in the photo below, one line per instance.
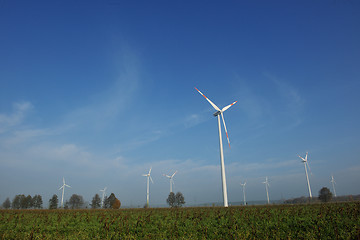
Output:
(77, 202)
(24, 202)
(21, 201)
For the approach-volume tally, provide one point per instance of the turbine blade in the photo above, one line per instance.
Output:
(144, 175)
(67, 185)
(63, 180)
(302, 158)
(228, 106)
(174, 174)
(61, 187)
(227, 136)
(308, 167)
(333, 179)
(151, 179)
(150, 170)
(212, 104)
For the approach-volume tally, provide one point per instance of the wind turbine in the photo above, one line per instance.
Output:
(243, 185)
(171, 179)
(267, 190)
(63, 190)
(333, 184)
(147, 189)
(103, 196)
(306, 165)
(218, 113)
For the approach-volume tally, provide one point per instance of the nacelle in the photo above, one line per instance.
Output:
(217, 113)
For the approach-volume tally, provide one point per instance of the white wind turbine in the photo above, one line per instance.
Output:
(171, 179)
(333, 183)
(103, 196)
(63, 190)
(306, 165)
(218, 113)
(243, 186)
(267, 190)
(147, 189)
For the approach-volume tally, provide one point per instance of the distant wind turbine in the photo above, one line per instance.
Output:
(171, 179)
(103, 196)
(267, 190)
(333, 184)
(306, 165)
(243, 186)
(147, 189)
(63, 190)
(218, 113)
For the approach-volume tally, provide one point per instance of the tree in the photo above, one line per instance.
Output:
(106, 203)
(179, 199)
(53, 202)
(6, 204)
(175, 200)
(16, 203)
(325, 195)
(111, 199)
(76, 201)
(116, 204)
(96, 201)
(26, 202)
(112, 202)
(20, 201)
(171, 199)
(37, 201)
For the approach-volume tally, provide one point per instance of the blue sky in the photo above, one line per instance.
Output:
(100, 91)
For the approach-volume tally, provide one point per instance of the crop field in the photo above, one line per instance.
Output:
(315, 221)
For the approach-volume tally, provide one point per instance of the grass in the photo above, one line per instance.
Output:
(314, 221)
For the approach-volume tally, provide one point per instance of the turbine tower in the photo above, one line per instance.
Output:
(103, 196)
(217, 114)
(267, 190)
(306, 165)
(333, 183)
(63, 190)
(171, 179)
(147, 189)
(243, 186)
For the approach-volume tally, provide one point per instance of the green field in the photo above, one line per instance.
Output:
(315, 221)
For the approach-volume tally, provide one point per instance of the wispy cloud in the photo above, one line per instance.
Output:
(108, 105)
(192, 120)
(252, 104)
(27, 145)
(19, 136)
(292, 96)
(140, 140)
(20, 109)
(283, 107)
(293, 102)
(255, 168)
